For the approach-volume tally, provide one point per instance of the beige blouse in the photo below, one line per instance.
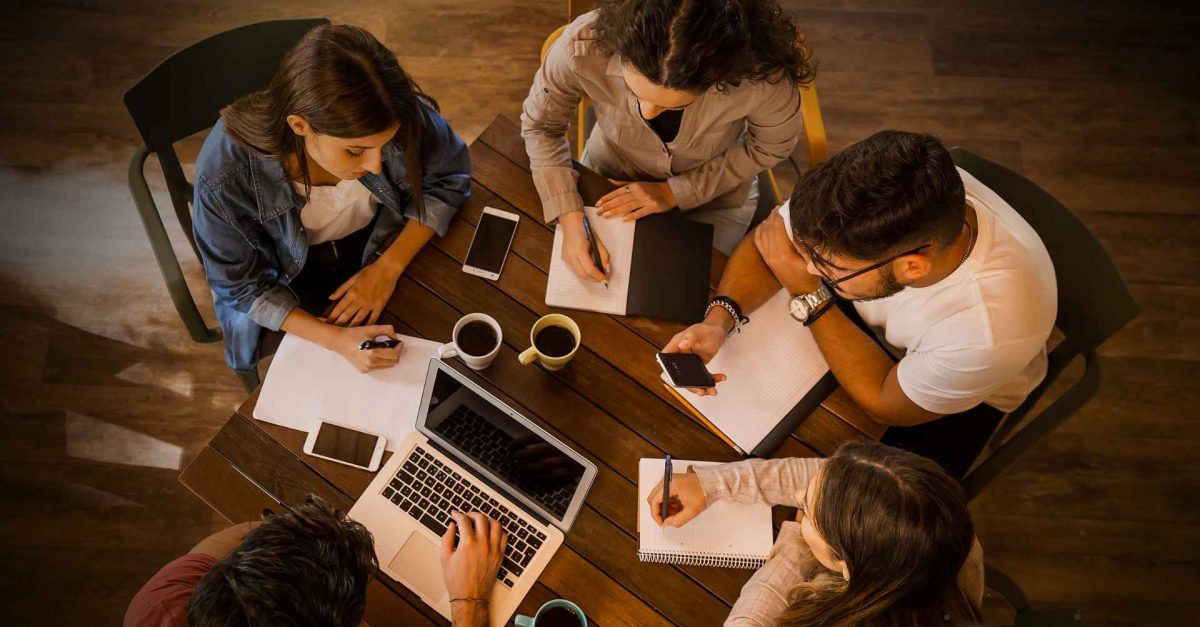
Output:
(783, 482)
(725, 137)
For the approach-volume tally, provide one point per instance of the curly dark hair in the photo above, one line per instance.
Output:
(306, 566)
(692, 45)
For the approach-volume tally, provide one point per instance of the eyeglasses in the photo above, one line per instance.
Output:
(834, 282)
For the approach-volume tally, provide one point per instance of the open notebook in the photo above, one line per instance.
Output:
(728, 534)
(777, 377)
(306, 382)
(658, 266)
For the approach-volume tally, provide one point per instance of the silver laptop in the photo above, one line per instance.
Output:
(471, 452)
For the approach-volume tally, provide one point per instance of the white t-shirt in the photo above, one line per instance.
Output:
(335, 211)
(978, 335)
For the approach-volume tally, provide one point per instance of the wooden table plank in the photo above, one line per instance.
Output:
(572, 416)
(603, 334)
(502, 138)
(608, 404)
(351, 482)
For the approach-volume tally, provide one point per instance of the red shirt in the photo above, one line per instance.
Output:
(163, 601)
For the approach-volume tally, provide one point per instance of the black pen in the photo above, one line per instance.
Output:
(593, 250)
(666, 502)
(370, 344)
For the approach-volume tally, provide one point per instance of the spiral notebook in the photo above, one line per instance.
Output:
(727, 534)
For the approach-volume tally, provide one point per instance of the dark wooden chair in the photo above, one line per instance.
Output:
(1093, 303)
(181, 97)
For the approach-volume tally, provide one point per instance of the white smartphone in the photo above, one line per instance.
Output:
(345, 446)
(489, 247)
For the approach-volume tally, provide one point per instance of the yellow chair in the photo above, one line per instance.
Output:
(810, 111)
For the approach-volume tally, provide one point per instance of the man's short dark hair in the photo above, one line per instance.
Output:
(889, 193)
(306, 566)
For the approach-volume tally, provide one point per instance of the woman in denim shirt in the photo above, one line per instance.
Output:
(314, 195)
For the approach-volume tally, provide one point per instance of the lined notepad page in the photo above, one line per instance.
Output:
(565, 289)
(735, 535)
(771, 365)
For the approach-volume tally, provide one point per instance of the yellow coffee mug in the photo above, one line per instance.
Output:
(546, 361)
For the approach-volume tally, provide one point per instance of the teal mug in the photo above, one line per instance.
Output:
(525, 621)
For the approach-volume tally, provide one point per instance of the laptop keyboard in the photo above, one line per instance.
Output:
(492, 447)
(429, 490)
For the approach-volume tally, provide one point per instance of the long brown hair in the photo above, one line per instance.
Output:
(902, 526)
(345, 84)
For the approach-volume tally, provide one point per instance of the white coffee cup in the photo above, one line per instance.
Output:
(474, 362)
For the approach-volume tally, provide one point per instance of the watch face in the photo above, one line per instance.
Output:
(798, 308)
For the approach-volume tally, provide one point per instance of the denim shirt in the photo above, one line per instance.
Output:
(252, 243)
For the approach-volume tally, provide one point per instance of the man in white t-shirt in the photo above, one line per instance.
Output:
(953, 293)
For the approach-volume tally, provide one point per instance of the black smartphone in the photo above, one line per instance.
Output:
(685, 370)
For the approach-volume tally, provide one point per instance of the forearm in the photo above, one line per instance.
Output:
(862, 368)
(307, 326)
(771, 481)
(746, 279)
(405, 247)
(469, 614)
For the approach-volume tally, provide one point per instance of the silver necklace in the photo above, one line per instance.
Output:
(970, 243)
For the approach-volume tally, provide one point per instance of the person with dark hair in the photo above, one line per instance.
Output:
(313, 195)
(947, 295)
(882, 538)
(306, 566)
(692, 100)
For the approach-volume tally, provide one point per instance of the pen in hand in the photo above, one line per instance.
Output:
(666, 495)
(371, 344)
(594, 250)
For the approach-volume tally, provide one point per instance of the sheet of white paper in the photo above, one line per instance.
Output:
(771, 365)
(724, 528)
(565, 289)
(307, 383)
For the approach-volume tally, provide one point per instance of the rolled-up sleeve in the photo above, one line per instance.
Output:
(445, 173)
(238, 273)
(545, 116)
(772, 130)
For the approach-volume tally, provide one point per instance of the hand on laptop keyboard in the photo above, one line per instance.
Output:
(470, 567)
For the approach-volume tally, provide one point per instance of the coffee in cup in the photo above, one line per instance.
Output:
(555, 339)
(475, 340)
(556, 613)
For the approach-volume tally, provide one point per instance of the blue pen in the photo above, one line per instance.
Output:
(593, 250)
(666, 502)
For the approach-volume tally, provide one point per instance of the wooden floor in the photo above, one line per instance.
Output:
(104, 397)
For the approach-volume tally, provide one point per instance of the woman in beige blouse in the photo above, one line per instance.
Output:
(692, 101)
(883, 538)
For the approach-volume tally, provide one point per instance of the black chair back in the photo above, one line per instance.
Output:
(185, 93)
(1093, 303)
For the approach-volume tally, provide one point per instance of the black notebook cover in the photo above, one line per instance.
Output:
(672, 258)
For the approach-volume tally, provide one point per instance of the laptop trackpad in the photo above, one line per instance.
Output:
(419, 564)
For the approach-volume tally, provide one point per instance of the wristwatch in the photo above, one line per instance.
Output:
(806, 308)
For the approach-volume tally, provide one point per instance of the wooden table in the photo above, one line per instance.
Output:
(609, 404)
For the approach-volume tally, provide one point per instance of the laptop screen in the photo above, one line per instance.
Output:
(509, 449)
